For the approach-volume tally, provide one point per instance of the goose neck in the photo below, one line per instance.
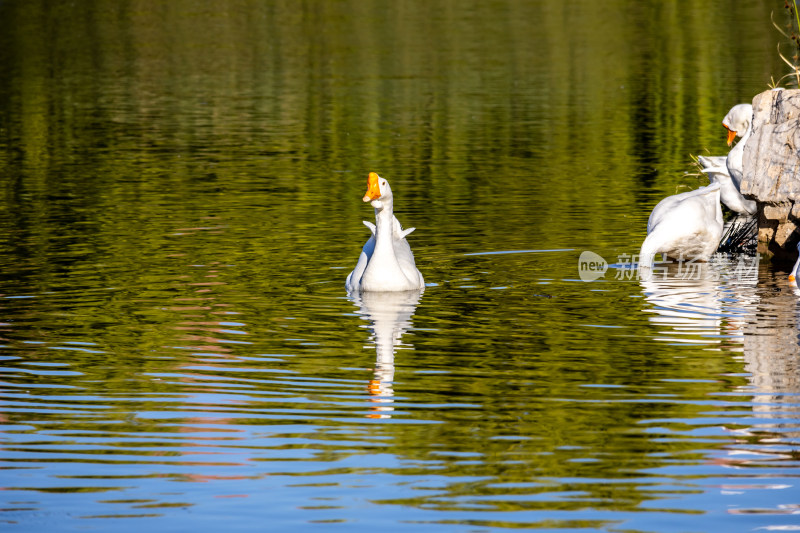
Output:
(383, 222)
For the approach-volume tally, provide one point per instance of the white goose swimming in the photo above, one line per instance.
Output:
(685, 226)
(386, 262)
(738, 121)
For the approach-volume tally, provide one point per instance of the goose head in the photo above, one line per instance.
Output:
(378, 191)
(737, 121)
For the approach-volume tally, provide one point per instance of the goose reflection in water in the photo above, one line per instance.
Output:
(772, 356)
(737, 310)
(390, 314)
(687, 301)
(704, 303)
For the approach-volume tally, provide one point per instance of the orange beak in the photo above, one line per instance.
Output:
(731, 135)
(373, 189)
(791, 277)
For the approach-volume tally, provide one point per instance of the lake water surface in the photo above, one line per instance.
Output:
(180, 203)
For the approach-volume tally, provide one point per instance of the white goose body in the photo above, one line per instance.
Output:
(708, 161)
(794, 275)
(686, 226)
(386, 262)
(729, 193)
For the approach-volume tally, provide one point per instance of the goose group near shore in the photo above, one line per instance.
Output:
(689, 225)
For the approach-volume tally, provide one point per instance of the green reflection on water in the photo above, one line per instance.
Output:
(181, 195)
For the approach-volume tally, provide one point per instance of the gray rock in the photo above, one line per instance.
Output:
(771, 169)
(772, 156)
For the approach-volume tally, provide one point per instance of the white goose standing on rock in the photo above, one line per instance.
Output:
(738, 121)
(386, 262)
(727, 170)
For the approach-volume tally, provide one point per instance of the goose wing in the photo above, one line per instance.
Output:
(402, 251)
(354, 278)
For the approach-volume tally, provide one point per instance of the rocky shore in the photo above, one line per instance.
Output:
(771, 171)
